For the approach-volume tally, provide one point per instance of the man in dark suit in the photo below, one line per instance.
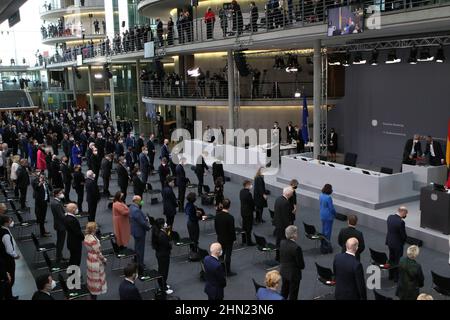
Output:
(181, 183)
(151, 151)
(55, 168)
(169, 201)
(140, 143)
(351, 232)
(395, 239)
(247, 208)
(42, 198)
(92, 194)
(144, 165)
(200, 169)
(434, 152)
(299, 140)
(75, 236)
(332, 144)
(412, 150)
(282, 216)
(165, 153)
(106, 168)
(139, 227)
(122, 175)
(45, 285)
(290, 132)
(57, 207)
(127, 289)
(215, 280)
(226, 233)
(163, 172)
(23, 181)
(349, 274)
(66, 171)
(291, 264)
(217, 171)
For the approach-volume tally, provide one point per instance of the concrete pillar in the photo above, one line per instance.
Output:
(91, 92)
(178, 116)
(74, 86)
(113, 103)
(230, 89)
(317, 97)
(141, 111)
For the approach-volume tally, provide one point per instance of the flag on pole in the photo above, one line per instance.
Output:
(305, 121)
(448, 145)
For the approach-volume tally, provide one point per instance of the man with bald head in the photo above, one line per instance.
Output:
(215, 280)
(395, 239)
(282, 216)
(349, 274)
(139, 228)
(75, 236)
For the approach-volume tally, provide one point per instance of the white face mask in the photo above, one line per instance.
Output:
(220, 253)
(61, 196)
(11, 225)
(53, 284)
(76, 212)
(93, 176)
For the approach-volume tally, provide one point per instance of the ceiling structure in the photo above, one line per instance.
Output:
(8, 8)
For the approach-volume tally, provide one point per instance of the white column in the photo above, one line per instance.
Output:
(113, 103)
(141, 112)
(74, 86)
(91, 93)
(317, 97)
(230, 90)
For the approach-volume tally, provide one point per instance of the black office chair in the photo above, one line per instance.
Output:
(441, 284)
(121, 255)
(381, 297)
(149, 276)
(181, 242)
(54, 268)
(14, 208)
(350, 159)
(386, 170)
(381, 260)
(105, 237)
(257, 286)
(24, 224)
(239, 233)
(322, 158)
(73, 294)
(265, 247)
(151, 220)
(202, 253)
(40, 248)
(326, 277)
(312, 234)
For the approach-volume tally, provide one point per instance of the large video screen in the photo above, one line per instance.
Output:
(345, 20)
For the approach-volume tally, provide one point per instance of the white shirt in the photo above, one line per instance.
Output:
(432, 150)
(413, 146)
(14, 168)
(350, 253)
(7, 242)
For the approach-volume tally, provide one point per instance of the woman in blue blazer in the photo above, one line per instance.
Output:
(327, 215)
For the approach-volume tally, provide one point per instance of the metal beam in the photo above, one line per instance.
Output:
(317, 97)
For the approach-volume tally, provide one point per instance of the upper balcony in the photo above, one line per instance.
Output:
(54, 9)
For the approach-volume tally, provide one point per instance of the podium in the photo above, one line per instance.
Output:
(435, 209)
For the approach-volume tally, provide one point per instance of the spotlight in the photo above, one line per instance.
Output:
(194, 72)
(425, 55)
(374, 58)
(413, 56)
(346, 61)
(334, 60)
(98, 76)
(359, 59)
(392, 57)
(297, 94)
(440, 57)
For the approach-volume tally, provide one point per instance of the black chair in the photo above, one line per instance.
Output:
(323, 158)
(149, 276)
(75, 293)
(14, 208)
(106, 237)
(202, 253)
(380, 297)
(40, 248)
(24, 224)
(350, 159)
(441, 284)
(239, 232)
(181, 242)
(54, 268)
(121, 255)
(265, 247)
(7, 197)
(312, 234)
(257, 286)
(326, 277)
(151, 220)
(381, 260)
(386, 170)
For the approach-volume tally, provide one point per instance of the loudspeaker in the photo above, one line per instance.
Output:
(350, 159)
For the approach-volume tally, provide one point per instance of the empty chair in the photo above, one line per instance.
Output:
(74, 293)
(14, 208)
(23, 224)
(40, 248)
(265, 247)
(326, 277)
(121, 255)
(149, 276)
(151, 220)
(387, 170)
(380, 259)
(54, 268)
(441, 284)
(257, 286)
(380, 297)
(312, 234)
(181, 242)
(202, 253)
(350, 159)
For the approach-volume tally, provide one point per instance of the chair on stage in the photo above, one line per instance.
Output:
(350, 159)
(386, 170)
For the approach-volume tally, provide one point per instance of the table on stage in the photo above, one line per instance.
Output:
(435, 209)
(424, 175)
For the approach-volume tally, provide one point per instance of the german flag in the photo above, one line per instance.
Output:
(448, 145)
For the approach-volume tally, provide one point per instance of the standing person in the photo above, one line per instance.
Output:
(127, 289)
(349, 274)
(433, 151)
(92, 194)
(293, 200)
(410, 275)
(75, 236)
(144, 165)
(139, 228)
(42, 198)
(223, 21)
(165, 153)
(181, 183)
(226, 233)
(170, 31)
(247, 208)
(55, 168)
(193, 217)
(238, 21)
(260, 195)
(41, 164)
(291, 264)
(290, 132)
(159, 32)
(200, 171)
(76, 154)
(23, 181)
(215, 280)
(161, 245)
(123, 176)
(282, 216)
(151, 152)
(218, 192)
(332, 144)
(106, 167)
(299, 140)
(67, 178)
(272, 282)
(8, 255)
(253, 17)
(395, 239)
(163, 172)
(138, 185)
(351, 232)
(57, 207)
(78, 185)
(121, 220)
(169, 202)
(327, 215)
(217, 171)
(95, 262)
(210, 19)
(13, 175)
(44, 284)
(412, 150)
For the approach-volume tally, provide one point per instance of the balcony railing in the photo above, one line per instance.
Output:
(48, 6)
(218, 89)
(229, 24)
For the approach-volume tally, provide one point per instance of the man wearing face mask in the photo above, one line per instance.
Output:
(169, 201)
(92, 194)
(151, 151)
(23, 181)
(123, 177)
(247, 208)
(67, 178)
(45, 284)
(106, 167)
(127, 289)
(139, 228)
(100, 143)
(144, 164)
(412, 150)
(75, 236)
(8, 254)
(96, 162)
(42, 198)
(57, 208)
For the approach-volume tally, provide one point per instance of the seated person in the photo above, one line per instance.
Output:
(272, 282)
(412, 150)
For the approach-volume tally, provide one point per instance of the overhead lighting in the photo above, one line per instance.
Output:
(98, 76)
(413, 56)
(194, 72)
(346, 61)
(392, 57)
(292, 64)
(425, 55)
(359, 59)
(334, 60)
(297, 94)
(374, 58)
(440, 57)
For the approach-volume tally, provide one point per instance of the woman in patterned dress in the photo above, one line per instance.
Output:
(96, 278)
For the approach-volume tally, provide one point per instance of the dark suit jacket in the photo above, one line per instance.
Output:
(291, 260)
(181, 176)
(224, 225)
(214, 278)
(161, 244)
(200, 166)
(350, 232)
(217, 171)
(75, 236)
(23, 178)
(408, 147)
(66, 173)
(165, 153)
(169, 202)
(42, 296)
(122, 176)
(106, 167)
(144, 163)
(138, 186)
(349, 276)
(92, 191)
(39, 194)
(58, 214)
(247, 203)
(396, 233)
(78, 181)
(164, 172)
(282, 217)
(128, 291)
(259, 191)
(57, 178)
(439, 154)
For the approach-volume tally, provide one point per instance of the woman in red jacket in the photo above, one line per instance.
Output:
(41, 163)
(210, 18)
(447, 185)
